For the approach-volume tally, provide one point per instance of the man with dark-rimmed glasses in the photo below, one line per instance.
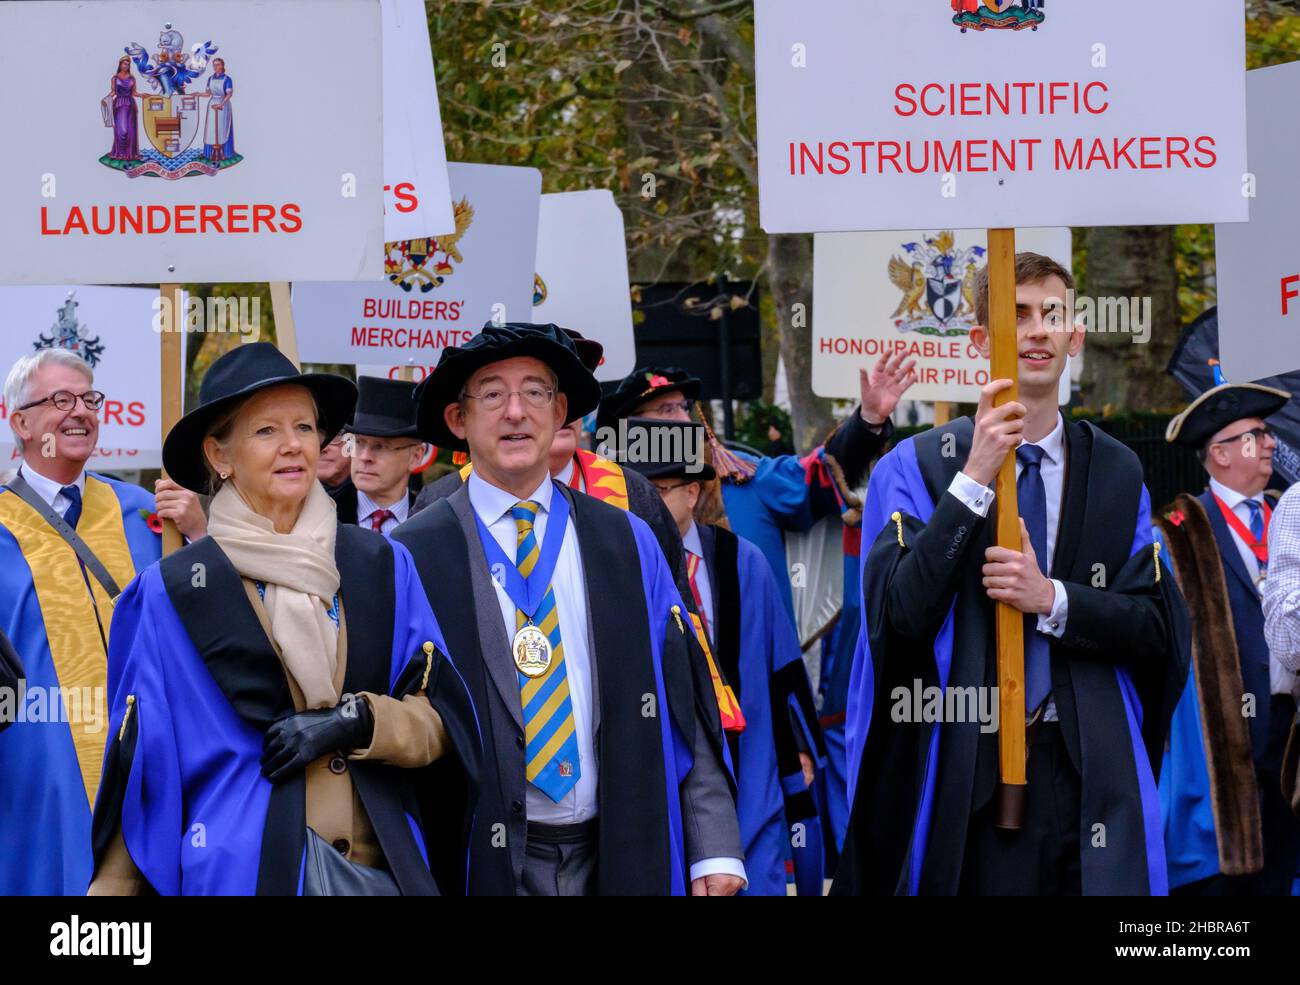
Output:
(1228, 830)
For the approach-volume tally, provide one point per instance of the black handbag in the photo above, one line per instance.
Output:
(327, 873)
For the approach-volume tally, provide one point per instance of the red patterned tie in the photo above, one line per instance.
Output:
(378, 518)
(693, 565)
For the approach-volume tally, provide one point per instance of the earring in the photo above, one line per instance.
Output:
(224, 476)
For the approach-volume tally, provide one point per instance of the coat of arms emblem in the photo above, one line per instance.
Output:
(427, 263)
(67, 333)
(938, 284)
(184, 121)
(1004, 15)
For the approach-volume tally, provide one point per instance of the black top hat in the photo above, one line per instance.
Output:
(642, 385)
(1219, 406)
(385, 408)
(236, 376)
(665, 449)
(590, 351)
(495, 343)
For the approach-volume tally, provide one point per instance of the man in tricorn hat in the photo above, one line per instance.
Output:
(385, 450)
(1228, 830)
(600, 776)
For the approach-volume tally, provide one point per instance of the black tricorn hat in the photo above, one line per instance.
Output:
(641, 385)
(664, 449)
(236, 376)
(495, 343)
(385, 408)
(1219, 406)
(590, 351)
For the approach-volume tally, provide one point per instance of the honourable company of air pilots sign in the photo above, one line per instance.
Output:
(206, 141)
(905, 114)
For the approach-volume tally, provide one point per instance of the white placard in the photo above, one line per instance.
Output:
(582, 275)
(874, 292)
(1089, 114)
(417, 199)
(1258, 263)
(439, 292)
(112, 328)
(242, 144)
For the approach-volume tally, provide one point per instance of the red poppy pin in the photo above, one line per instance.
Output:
(657, 380)
(1175, 517)
(152, 520)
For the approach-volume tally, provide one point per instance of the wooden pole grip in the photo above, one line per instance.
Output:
(173, 350)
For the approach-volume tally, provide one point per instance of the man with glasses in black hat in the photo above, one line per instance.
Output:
(600, 775)
(385, 451)
(69, 542)
(1228, 829)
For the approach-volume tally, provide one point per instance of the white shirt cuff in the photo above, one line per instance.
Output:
(720, 867)
(975, 497)
(1053, 624)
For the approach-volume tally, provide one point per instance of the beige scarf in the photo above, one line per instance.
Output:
(301, 581)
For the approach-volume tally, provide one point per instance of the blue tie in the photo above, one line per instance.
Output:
(1257, 525)
(1032, 497)
(73, 513)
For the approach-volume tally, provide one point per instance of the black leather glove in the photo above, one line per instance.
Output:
(294, 742)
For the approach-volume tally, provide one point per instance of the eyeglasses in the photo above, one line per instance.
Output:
(365, 445)
(64, 400)
(666, 408)
(534, 396)
(1258, 434)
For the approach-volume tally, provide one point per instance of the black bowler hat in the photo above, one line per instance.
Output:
(664, 449)
(590, 351)
(641, 386)
(1219, 406)
(385, 408)
(245, 370)
(495, 343)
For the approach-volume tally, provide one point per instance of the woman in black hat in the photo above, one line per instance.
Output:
(264, 680)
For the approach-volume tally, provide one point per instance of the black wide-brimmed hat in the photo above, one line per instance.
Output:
(642, 385)
(385, 408)
(236, 376)
(1219, 406)
(664, 449)
(590, 351)
(495, 343)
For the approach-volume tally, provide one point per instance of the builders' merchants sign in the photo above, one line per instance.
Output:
(582, 275)
(999, 113)
(1258, 268)
(238, 140)
(439, 291)
(875, 293)
(417, 200)
(112, 329)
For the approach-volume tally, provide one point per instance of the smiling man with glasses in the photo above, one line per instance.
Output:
(1228, 830)
(385, 451)
(69, 542)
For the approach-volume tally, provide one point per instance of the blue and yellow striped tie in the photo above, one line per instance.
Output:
(551, 755)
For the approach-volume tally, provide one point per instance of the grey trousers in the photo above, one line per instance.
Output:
(560, 860)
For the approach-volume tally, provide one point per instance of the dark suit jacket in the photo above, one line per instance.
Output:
(345, 498)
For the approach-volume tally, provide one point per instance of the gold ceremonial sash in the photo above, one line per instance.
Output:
(70, 620)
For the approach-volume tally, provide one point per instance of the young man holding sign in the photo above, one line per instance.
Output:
(1105, 645)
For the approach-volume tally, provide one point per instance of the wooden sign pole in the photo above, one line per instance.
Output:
(942, 413)
(286, 336)
(1010, 621)
(173, 349)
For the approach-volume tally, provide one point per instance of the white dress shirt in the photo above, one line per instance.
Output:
(367, 507)
(1282, 586)
(1281, 679)
(493, 506)
(695, 545)
(51, 491)
(978, 498)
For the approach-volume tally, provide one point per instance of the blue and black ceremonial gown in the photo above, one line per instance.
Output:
(1116, 672)
(58, 621)
(195, 683)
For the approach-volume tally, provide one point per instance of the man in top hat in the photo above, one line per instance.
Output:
(1228, 830)
(754, 642)
(600, 775)
(70, 541)
(385, 450)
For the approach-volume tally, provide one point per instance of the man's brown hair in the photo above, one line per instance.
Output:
(1031, 268)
